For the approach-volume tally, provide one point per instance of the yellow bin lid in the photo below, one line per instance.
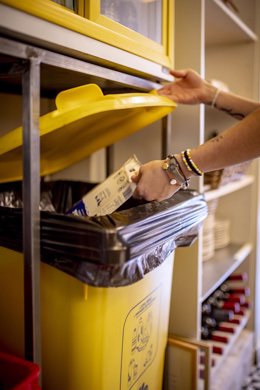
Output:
(85, 121)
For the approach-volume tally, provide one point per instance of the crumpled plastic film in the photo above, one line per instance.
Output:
(118, 274)
(112, 250)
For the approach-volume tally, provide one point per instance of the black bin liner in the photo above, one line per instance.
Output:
(105, 251)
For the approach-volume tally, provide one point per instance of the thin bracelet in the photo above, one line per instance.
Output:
(213, 103)
(195, 167)
(181, 171)
(185, 161)
(190, 164)
(186, 180)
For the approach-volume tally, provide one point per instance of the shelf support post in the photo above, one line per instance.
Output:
(31, 214)
(166, 135)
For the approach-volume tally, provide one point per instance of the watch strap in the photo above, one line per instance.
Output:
(172, 166)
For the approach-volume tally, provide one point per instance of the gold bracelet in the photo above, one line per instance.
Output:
(185, 161)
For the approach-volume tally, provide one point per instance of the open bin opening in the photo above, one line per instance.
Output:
(129, 242)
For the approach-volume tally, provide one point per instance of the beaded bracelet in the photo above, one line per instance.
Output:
(189, 163)
(185, 162)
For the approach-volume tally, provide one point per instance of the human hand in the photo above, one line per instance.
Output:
(153, 183)
(189, 89)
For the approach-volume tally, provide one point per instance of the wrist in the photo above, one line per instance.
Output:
(210, 94)
(191, 166)
(174, 172)
(184, 168)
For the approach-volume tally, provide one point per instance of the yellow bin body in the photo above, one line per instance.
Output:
(92, 338)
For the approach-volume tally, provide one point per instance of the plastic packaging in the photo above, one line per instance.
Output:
(109, 195)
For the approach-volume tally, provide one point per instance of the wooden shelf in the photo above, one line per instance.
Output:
(220, 267)
(224, 27)
(229, 188)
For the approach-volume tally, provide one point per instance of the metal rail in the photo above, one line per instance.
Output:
(25, 51)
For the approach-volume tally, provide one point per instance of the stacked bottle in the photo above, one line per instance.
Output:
(224, 310)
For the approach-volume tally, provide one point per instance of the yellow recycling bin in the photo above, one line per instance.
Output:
(105, 291)
(92, 338)
(105, 281)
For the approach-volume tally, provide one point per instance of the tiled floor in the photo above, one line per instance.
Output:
(252, 382)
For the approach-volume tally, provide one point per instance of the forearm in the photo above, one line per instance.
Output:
(158, 179)
(232, 104)
(237, 144)
(190, 88)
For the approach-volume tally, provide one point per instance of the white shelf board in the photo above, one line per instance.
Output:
(229, 188)
(225, 261)
(223, 26)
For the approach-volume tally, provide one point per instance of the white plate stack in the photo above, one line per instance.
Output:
(221, 233)
(208, 242)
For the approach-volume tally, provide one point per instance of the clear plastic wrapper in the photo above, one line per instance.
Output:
(112, 250)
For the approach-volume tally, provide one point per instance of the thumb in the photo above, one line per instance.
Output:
(136, 177)
(178, 73)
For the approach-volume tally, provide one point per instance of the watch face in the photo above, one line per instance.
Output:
(174, 169)
(173, 165)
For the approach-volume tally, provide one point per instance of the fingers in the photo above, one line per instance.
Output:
(152, 183)
(165, 91)
(153, 192)
(158, 196)
(169, 91)
(169, 195)
(176, 73)
(179, 73)
(136, 177)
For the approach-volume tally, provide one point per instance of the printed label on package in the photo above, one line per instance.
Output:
(108, 196)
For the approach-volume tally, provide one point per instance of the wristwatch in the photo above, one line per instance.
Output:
(172, 166)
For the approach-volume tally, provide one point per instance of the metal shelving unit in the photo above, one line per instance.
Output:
(36, 72)
(217, 34)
